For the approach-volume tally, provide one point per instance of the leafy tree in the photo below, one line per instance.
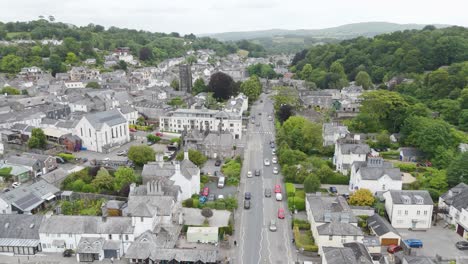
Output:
(362, 197)
(222, 86)
(153, 138)
(463, 120)
(10, 91)
(383, 140)
(11, 64)
(284, 112)
(252, 88)
(71, 58)
(262, 70)
(207, 213)
(145, 54)
(195, 156)
(301, 134)
(175, 84)
(363, 79)
(311, 184)
(286, 96)
(458, 170)
(176, 101)
(55, 64)
(94, 85)
(37, 139)
(122, 65)
(199, 86)
(103, 181)
(306, 72)
(141, 155)
(124, 176)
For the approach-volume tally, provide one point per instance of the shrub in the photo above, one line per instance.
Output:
(301, 224)
(298, 202)
(406, 167)
(195, 202)
(305, 241)
(336, 179)
(290, 189)
(188, 203)
(66, 156)
(300, 194)
(220, 204)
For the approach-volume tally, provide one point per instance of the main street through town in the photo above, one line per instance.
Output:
(256, 243)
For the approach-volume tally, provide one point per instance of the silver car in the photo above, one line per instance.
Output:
(266, 162)
(272, 226)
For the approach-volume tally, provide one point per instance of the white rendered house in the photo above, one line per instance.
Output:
(409, 209)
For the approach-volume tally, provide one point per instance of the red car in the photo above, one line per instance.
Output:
(277, 188)
(394, 249)
(159, 134)
(280, 213)
(205, 191)
(132, 130)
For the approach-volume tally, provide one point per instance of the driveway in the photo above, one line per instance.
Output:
(436, 240)
(209, 167)
(226, 191)
(342, 189)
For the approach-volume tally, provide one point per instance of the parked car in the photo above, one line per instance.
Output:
(333, 189)
(258, 124)
(273, 226)
(275, 170)
(211, 197)
(149, 143)
(159, 134)
(249, 174)
(274, 160)
(277, 188)
(67, 253)
(257, 172)
(272, 144)
(266, 162)
(267, 192)
(221, 182)
(132, 130)
(462, 245)
(15, 185)
(220, 196)
(205, 191)
(202, 199)
(413, 243)
(246, 204)
(273, 151)
(279, 197)
(121, 153)
(270, 118)
(394, 249)
(247, 196)
(280, 213)
(259, 113)
(218, 163)
(253, 121)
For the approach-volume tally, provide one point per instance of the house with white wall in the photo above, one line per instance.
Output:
(103, 131)
(452, 202)
(184, 174)
(332, 221)
(409, 208)
(130, 113)
(376, 175)
(348, 152)
(350, 253)
(331, 132)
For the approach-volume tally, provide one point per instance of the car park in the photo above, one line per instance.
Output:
(266, 162)
(280, 213)
(221, 182)
(247, 196)
(249, 174)
(413, 243)
(257, 172)
(274, 160)
(218, 163)
(462, 245)
(273, 227)
(277, 188)
(211, 197)
(267, 192)
(246, 204)
(394, 249)
(333, 189)
(275, 170)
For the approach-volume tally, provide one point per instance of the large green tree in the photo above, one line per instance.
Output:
(458, 170)
(195, 156)
(123, 177)
(363, 79)
(103, 181)
(252, 88)
(199, 86)
(311, 184)
(37, 139)
(11, 63)
(141, 155)
(222, 86)
(301, 134)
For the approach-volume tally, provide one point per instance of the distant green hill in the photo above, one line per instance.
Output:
(368, 29)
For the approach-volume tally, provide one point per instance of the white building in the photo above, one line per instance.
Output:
(130, 113)
(184, 174)
(347, 153)
(332, 221)
(199, 234)
(376, 175)
(331, 132)
(103, 131)
(453, 204)
(71, 85)
(409, 209)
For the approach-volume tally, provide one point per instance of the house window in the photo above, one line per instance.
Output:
(69, 235)
(120, 130)
(58, 235)
(330, 238)
(81, 131)
(399, 212)
(89, 132)
(383, 186)
(110, 236)
(406, 212)
(112, 131)
(399, 221)
(141, 219)
(343, 239)
(418, 212)
(355, 238)
(120, 237)
(106, 136)
(425, 212)
(126, 237)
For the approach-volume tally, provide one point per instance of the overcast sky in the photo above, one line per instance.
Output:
(210, 16)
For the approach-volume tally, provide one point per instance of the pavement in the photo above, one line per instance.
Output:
(48, 258)
(255, 243)
(436, 240)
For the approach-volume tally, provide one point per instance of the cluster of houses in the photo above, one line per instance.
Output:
(145, 228)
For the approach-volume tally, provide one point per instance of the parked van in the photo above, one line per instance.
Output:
(221, 182)
(279, 197)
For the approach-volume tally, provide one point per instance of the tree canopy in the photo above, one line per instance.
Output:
(222, 86)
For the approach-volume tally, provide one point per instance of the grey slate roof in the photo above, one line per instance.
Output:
(189, 255)
(345, 255)
(397, 196)
(375, 173)
(354, 148)
(148, 241)
(153, 170)
(418, 260)
(339, 229)
(334, 206)
(74, 224)
(460, 200)
(451, 194)
(26, 198)
(25, 161)
(20, 226)
(149, 205)
(111, 118)
(90, 245)
(380, 225)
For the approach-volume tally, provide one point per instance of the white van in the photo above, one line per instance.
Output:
(279, 197)
(221, 182)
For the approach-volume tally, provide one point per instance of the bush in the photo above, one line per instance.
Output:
(195, 202)
(301, 224)
(298, 202)
(305, 241)
(390, 154)
(220, 204)
(336, 179)
(66, 156)
(406, 167)
(300, 194)
(188, 203)
(290, 189)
